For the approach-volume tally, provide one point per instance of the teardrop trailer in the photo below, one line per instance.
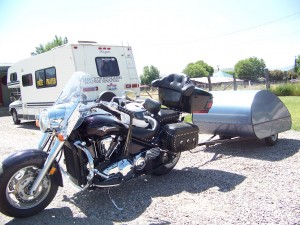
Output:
(232, 115)
(239, 115)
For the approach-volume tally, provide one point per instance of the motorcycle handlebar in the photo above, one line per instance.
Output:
(114, 107)
(124, 110)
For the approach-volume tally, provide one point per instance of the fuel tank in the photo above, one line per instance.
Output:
(101, 125)
(244, 113)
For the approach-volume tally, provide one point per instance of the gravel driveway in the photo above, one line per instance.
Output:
(236, 183)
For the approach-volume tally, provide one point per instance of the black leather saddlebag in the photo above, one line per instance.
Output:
(179, 137)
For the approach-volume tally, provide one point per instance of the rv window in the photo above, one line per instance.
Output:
(107, 66)
(13, 77)
(27, 80)
(45, 78)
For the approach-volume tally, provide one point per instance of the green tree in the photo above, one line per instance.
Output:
(58, 41)
(292, 75)
(250, 69)
(149, 74)
(198, 69)
(276, 75)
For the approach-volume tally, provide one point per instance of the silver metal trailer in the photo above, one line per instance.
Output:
(245, 114)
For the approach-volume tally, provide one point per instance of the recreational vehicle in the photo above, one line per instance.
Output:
(38, 80)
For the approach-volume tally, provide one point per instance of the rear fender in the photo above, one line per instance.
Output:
(36, 157)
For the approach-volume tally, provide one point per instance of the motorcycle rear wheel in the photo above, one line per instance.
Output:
(15, 182)
(169, 162)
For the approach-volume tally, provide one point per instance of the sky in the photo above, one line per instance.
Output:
(168, 34)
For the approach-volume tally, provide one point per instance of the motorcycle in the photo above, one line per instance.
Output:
(101, 144)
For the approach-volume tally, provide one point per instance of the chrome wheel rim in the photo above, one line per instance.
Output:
(17, 189)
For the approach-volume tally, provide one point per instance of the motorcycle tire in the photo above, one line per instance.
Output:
(169, 162)
(15, 182)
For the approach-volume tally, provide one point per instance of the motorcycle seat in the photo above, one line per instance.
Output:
(165, 116)
(149, 133)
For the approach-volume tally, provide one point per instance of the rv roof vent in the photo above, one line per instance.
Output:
(87, 42)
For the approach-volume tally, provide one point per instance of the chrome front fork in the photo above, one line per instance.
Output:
(50, 159)
(43, 141)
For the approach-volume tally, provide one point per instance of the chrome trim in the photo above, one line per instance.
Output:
(43, 141)
(106, 186)
(101, 174)
(90, 176)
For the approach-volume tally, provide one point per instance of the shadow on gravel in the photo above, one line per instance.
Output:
(28, 125)
(256, 149)
(135, 197)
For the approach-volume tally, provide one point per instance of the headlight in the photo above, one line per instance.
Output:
(44, 120)
(51, 118)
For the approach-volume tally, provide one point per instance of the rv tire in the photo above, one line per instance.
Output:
(15, 117)
(106, 96)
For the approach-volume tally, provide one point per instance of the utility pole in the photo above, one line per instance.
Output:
(267, 76)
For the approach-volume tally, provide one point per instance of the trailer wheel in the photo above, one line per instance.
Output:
(15, 117)
(271, 140)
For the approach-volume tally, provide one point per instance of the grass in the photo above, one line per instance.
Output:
(286, 89)
(293, 105)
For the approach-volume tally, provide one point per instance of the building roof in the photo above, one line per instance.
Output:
(222, 74)
(215, 80)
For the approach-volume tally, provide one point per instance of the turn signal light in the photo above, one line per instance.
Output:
(61, 137)
(52, 171)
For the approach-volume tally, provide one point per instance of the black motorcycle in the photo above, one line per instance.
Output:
(101, 144)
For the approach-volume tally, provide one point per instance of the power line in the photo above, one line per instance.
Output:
(237, 31)
(275, 36)
(249, 28)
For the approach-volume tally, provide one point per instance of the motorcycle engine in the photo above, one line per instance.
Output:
(126, 168)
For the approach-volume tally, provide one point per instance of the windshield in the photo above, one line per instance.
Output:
(77, 94)
(79, 88)
(71, 106)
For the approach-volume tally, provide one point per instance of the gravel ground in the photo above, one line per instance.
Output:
(237, 183)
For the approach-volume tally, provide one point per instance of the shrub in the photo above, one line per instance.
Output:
(286, 90)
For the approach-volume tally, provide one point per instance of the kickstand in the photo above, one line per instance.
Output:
(118, 208)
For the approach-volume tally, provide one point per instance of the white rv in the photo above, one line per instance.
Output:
(39, 79)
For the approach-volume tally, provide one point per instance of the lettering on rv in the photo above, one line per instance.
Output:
(40, 83)
(49, 82)
(97, 80)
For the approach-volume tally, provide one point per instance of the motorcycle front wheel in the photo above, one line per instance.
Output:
(15, 183)
(168, 161)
